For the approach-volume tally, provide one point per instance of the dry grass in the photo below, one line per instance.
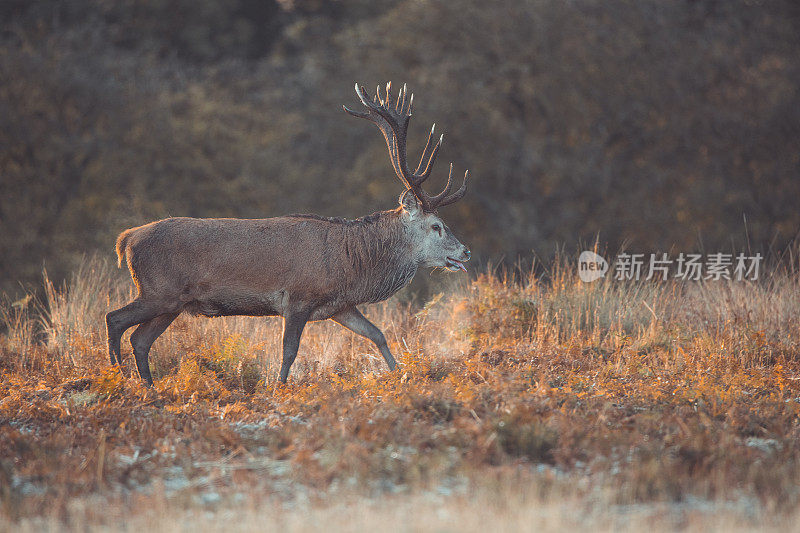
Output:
(528, 403)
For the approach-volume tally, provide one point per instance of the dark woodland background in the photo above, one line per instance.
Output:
(660, 124)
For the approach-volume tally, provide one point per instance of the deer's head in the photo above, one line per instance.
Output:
(432, 241)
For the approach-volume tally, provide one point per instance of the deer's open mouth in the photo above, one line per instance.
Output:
(454, 265)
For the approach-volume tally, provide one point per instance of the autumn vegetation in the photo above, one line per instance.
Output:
(523, 399)
(526, 399)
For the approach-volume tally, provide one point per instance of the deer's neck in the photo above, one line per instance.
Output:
(378, 252)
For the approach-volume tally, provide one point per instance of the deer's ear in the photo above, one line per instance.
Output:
(410, 204)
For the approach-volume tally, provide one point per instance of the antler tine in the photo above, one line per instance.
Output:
(388, 103)
(358, 114)
(398, 107)
(401, 99)
(363, 95)
(426, 152)
(456, 196)
(420, 177)
(441, 196)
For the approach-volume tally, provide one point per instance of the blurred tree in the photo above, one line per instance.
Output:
(654, 124)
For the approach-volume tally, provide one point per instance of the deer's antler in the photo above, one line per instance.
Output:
(392, 120)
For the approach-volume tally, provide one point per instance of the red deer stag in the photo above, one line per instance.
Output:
(302, 267)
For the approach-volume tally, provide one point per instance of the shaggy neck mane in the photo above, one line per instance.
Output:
(373, 254)
(361, 221)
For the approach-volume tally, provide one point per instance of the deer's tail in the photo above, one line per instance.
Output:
(122, 241)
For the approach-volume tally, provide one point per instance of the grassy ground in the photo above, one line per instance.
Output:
(524, 404)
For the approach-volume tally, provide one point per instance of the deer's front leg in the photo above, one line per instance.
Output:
(352, 319)
(293, 323)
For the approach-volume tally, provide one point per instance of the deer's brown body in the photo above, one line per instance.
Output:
(301, 267)
(219, 267)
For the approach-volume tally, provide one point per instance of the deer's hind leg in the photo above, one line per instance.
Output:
(352, 319)
(136, 312)
(143, 338)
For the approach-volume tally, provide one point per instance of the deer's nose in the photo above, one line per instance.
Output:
(467, 253)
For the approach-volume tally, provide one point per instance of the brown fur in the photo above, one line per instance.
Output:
(219, 267)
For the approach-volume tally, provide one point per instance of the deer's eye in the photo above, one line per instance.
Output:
(437, 228)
